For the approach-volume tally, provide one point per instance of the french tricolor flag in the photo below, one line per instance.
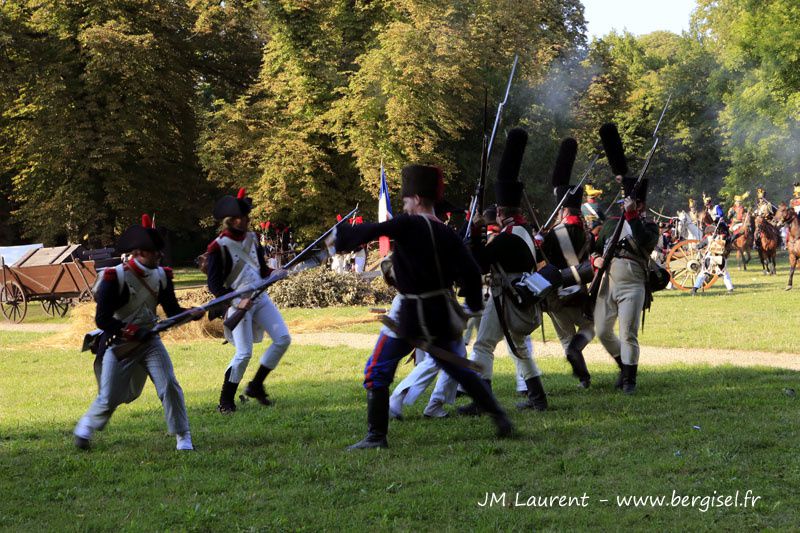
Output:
(384, 212)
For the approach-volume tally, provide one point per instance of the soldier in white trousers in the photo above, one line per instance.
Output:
(235, 260)
(127, 297)
(716, 254)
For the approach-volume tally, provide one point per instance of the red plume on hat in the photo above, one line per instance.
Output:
(242, 194)
(338, 218)
(147, 222)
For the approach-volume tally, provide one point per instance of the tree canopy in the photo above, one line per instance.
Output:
(116, 107)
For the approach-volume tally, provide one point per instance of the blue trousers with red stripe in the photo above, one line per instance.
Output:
(388, 351)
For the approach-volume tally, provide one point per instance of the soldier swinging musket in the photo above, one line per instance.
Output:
(235, 259)
(127, 297)
(428, 258)
(568, 245)
(622, 291)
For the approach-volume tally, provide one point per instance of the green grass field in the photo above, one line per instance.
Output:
(695, 430)
(285, 468)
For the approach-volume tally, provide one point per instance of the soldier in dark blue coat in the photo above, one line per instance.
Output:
(428, 259)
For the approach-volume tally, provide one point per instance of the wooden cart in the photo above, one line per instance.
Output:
(52, 276)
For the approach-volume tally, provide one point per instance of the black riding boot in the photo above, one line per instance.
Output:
(255, 389)
(474, 409)
(577, 362)
(537, 399)
(481, 393)
(629, 378)
(618, 384)
(227, 397)
(377, 420)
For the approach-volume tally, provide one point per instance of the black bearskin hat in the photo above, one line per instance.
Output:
(425, 181)
(562, 173)
(508, 189)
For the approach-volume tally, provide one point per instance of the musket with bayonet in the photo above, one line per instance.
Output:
(477, 199)
(654, 137)
(310, 257)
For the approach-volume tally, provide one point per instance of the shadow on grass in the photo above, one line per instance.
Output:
(695, 430)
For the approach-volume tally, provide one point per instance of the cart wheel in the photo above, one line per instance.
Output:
(56, 306)
(684, 263)
(13, 303)
(86, 296)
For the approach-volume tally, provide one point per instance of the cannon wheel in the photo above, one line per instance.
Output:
(684, 262)
(55, 306)
(13, 303)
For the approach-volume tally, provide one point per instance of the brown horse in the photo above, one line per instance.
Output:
(766, 240)
(786, 216)
(743, 241)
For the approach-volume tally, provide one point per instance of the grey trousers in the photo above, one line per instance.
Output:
(569, 322)
(621, 297)
(123, 381)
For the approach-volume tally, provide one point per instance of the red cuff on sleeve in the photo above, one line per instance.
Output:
(630, 215)
(129, 331)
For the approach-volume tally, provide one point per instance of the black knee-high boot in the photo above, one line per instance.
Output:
(255, 389)
(481, 393)
(618, 384)
(377, 420)
(474, 409)
(629, 378)
(537, 399)
(576, 360)
(227, 397)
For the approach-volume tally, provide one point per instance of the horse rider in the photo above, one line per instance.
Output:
(692, 210)
(794, 203)
(736, 213)
(764, 209)
(714, 211)
(591, 210)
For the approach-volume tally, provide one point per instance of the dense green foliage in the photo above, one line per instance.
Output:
(116, 107)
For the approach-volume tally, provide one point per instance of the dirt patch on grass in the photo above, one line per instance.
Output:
(595, 353)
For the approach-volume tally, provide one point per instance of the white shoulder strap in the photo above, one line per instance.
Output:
(566, 245)
(523, 234)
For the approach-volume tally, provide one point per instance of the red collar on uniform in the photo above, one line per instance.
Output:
(573, 220)
(137, 270)
(234, 235)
